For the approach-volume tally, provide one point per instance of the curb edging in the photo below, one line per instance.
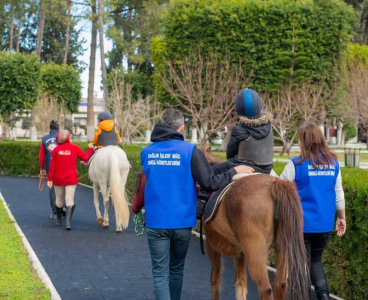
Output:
(32, 257)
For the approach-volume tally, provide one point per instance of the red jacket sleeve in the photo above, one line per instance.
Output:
(50, 176)
(84, 156)
(138, 201)
(41, 157)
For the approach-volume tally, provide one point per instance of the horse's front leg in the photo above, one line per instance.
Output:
(96, 192)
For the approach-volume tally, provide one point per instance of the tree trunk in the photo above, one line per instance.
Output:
(102, 51)
(20, 26)
(41, 22)
(91, 79)
(282, 150)
(69, 18)
(227, 138)
(11, 34)
(366, 136)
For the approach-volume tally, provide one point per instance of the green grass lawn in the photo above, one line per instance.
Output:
(18, 280)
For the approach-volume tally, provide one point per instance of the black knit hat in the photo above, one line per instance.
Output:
(105, 115)
(248, 104)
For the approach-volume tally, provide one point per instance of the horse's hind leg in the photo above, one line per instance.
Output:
(255, 250)
(240, 277)
(96, 192)
(216, 266)
(106, 197)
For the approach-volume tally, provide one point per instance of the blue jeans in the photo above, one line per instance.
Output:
(168, 248)
(52, 197)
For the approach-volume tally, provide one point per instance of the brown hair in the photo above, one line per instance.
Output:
(314, 146)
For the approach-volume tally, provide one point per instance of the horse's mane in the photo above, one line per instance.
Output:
(207, 153)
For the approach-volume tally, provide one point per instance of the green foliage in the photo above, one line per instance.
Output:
(345, 259)
(267, 36)
(25, 162)
(358, 53)
(142, 85)
(54, 33)
(62, 82)
(19, 82)
(350, 131)
(361, 11)
(18, 280)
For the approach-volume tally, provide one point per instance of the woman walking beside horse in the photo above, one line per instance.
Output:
(63, 171)
(317, 175)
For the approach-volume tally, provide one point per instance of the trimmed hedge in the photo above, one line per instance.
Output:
(346, 259)
(21, 158)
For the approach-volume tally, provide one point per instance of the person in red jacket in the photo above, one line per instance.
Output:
(63, 172)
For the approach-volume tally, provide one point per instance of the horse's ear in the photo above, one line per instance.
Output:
(208, 150)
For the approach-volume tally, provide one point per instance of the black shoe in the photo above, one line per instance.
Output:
(69, 214)
(59, 213)
(201, 205)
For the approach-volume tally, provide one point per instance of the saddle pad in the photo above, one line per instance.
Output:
(214, 202)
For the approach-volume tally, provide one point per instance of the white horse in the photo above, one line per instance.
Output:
(108, 171)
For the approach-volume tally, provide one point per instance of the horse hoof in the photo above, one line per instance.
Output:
(106, 227)
(118, 230)
(100, 221)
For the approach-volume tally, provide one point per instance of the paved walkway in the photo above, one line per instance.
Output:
(90, 262)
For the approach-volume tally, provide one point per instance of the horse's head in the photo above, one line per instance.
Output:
(206, 150)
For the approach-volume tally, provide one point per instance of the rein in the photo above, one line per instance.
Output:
(42, 182)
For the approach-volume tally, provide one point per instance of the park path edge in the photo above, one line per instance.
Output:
(32, 255)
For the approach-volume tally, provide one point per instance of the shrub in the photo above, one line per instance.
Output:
(62, 82)
(269, 37)
(19, 82)
(21, 158)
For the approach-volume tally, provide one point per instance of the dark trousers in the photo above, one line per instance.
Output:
(168, 248)
(52, 197)
(315, 244)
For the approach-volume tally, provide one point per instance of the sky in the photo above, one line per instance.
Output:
(86, 34)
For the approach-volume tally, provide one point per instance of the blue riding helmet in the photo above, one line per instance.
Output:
(248, 104)
(105, 115)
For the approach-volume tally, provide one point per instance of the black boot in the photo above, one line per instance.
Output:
(59, 214)
(69, 214)
(323, 297)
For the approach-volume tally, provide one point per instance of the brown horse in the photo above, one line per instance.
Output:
(257, 212)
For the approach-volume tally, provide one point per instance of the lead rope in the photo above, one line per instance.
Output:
(41, 183)
(139, 225)
(201, 237)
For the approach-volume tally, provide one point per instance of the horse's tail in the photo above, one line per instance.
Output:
(292, 276)
(117, 187)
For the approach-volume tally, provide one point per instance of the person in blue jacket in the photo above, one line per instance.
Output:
(48, 144)
(172, 167)
(317, 175)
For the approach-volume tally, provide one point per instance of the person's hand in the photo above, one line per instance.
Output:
(42, 172)
(340, 226)
(49, 184)
(243, 169)
(90, 145)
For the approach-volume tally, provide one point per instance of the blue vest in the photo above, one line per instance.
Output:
(49, 144)
(170, 195)
(316, 188)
